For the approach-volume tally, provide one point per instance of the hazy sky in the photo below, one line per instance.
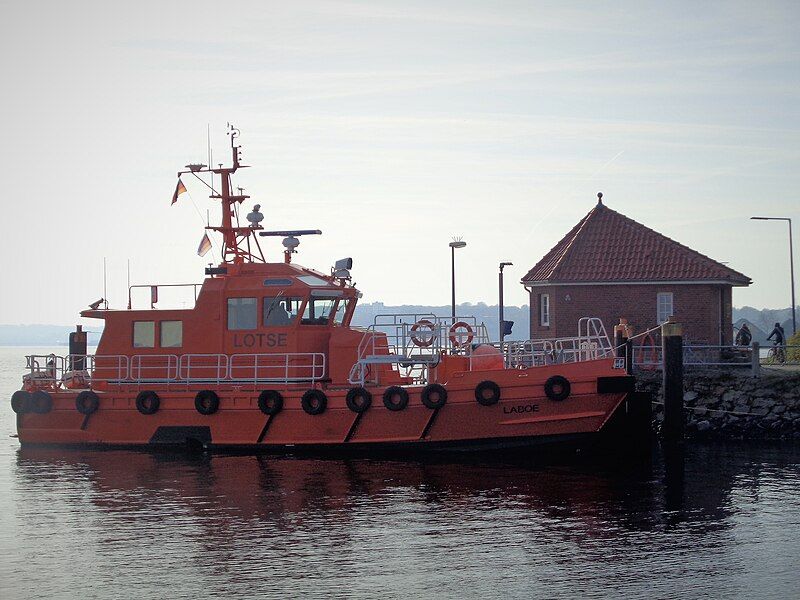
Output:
(392, 126)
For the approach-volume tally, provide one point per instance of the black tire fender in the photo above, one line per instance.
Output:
(487, 393)
(434, 396)
(395, 398)
(206, 402)
(148, 402)
(314, 402)
(41, 402)
(21, 402)
(270, 402)
(557, 388)
(358, 399)
(87, 402)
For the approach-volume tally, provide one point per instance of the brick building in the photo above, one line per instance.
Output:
(610, 266)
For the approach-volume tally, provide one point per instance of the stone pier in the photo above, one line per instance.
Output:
(727, 405)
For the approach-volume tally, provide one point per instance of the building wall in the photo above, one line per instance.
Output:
(703, 309)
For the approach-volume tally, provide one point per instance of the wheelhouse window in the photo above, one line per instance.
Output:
(144, 334)
(318, 310)
(341, 311)
(664, 307)
(242, 313)
(281, 311)
(171, 334)
(544, 310)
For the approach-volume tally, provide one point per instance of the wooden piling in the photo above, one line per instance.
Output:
(672, 352)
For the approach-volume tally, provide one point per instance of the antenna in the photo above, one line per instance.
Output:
(105, 294)
(208, 141)
(129, 284)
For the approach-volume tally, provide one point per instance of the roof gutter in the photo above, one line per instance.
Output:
(532, 284)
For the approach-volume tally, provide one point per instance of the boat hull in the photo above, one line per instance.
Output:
(524, 416)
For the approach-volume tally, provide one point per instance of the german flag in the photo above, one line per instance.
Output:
(179, 189)
(205, 245)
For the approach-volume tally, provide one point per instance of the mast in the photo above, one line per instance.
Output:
(236, 246)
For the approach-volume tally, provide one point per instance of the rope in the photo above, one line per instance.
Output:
(630, 339)
(651, 330)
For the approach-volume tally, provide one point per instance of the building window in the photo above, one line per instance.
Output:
(242, 313)
(664, 307)
(144, 334)
(171, 334)
(544, 310)
(281, 311)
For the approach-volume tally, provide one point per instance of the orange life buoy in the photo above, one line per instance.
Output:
(427, 338)
(647, 351)
(455, 334)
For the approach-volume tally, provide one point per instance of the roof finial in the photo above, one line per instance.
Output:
(599, 198)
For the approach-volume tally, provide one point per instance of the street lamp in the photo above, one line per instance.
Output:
(500, 318)
(791, 263)
(456, 243)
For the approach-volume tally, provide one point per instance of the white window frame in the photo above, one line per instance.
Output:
(544, 310)
(665, 307)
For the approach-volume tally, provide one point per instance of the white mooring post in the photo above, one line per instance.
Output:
(756, 359)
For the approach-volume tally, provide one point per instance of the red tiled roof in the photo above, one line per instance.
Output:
(606, 246)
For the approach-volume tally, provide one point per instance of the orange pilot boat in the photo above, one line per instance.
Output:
(267, 360)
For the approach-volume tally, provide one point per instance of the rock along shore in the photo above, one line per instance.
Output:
(725, 405)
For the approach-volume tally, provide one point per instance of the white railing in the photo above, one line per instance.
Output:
(706, 355)
(280, 367)
(393, 339)
(411, 342)
(53, 370)
(204, 367)
(154, 367)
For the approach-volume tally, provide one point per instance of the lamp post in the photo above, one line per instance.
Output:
(456, 243)
(791, 263)
(501, 320)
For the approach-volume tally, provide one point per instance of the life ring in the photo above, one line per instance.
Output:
(87, 402)
(148, 402)
(434, 396)
(557, 388)
(41, 402)
(395, 398)
(21, 401)
(314, 402)
(358, 399)
(647, 354)
(270, 402)
(455, 334)
(206, 402)
(430, 336)
(487, 393)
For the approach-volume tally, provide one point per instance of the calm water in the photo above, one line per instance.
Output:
(124, 524)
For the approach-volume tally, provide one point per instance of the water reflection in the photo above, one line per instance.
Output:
(222, 526)
(643, 494)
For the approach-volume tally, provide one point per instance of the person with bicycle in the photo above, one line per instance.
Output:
(778, 344)
(744, 337)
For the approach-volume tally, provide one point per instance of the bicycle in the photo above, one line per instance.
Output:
(776, 355)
